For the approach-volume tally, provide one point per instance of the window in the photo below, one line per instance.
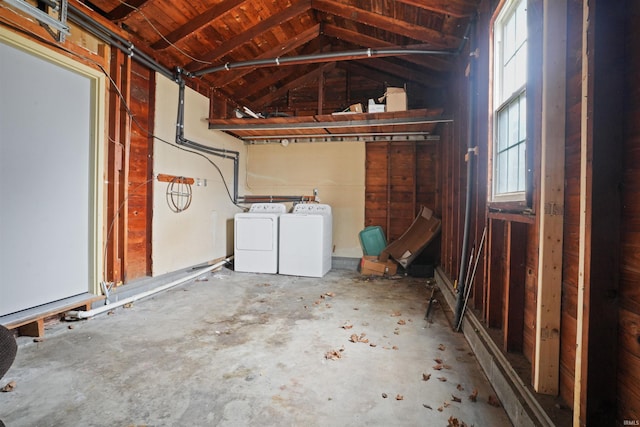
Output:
(509, 102)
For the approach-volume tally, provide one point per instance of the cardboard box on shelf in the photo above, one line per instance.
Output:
(371, 266)
(356, 108)
(396, 98)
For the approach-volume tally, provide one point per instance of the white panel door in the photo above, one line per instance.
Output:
(45, 178)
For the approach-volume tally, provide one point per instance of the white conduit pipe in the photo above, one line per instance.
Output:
(81, 314)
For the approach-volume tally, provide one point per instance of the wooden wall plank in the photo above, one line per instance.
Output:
(515, 287)
(628, 360)
(496, 274)
(140, 167)
(603, 74)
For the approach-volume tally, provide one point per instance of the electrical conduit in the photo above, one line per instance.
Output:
(80, 314)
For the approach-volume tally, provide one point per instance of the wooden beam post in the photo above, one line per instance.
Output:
(546, 370)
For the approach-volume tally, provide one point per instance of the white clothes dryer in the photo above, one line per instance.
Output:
(306, 241)
(256, 238)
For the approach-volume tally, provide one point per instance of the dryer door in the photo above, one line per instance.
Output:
(255, 234)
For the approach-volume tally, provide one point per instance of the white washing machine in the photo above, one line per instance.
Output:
(256, 238)
(306, 241)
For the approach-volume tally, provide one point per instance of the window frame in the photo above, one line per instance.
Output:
(518, 200)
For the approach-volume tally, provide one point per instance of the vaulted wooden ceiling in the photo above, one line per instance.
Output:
(200, 34)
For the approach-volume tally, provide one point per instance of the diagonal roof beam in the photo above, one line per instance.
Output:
(417, 32)
(125, 9)
(196, 23)
(296, 9)
(223, 79)
(401, 72)
(300, 81)
(455, 8)
(382, 74)
(434, 62)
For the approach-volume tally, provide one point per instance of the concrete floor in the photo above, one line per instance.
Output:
(238, 349)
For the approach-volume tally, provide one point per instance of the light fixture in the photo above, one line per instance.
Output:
(43, 17)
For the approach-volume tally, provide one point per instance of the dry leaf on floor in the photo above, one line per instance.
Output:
(396, 332)
(442, 347)
(70, 326)
(317, 302)
(474, 395)
(425, 377)
(399, 397)
(438, 367)
(459, 387)
(128, 305)
(446, 404)
(440, 409)
(110, 312)
(401, 322)
(347, 326)
(438, 361)
(332, 355)
(9, 387)
(353, 338)
(384, 395)
(456, 398)
(38, 339)
(396, 314)
(427, 406)
(373, 345)
(493, 401)
(395, 347)
(442, 379)
(330, 294)
(454, 422)
(445, 366)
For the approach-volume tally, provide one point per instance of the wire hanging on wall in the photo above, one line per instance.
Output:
(179, 194)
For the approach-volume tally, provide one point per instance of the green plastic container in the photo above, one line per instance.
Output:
(372, 240)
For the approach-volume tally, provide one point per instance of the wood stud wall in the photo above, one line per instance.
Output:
(140, 203)
(628, 343)
(401, 176)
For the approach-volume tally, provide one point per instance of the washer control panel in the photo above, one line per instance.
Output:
(312, 208)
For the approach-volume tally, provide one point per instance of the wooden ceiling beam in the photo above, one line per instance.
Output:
(454, 8)
(434, 38)
(391, 70)
(296, 9)
(261, 84)
(224, 78)
(122, 11)
(283, 74)
(300, 81)
(197, 23)
(434, 62)
(408, 75)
